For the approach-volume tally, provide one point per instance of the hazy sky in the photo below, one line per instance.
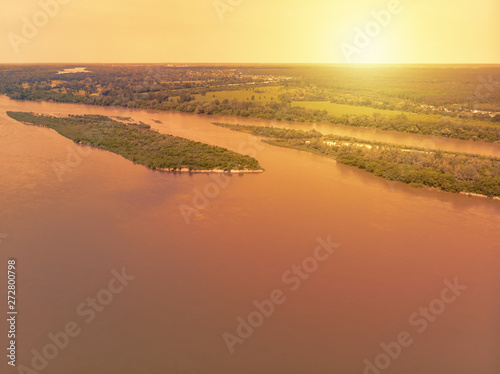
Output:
(312, 31)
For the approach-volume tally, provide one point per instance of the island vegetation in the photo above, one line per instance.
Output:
(140, 144)
(419, 167)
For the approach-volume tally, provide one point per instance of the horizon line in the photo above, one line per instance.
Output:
(251, 63)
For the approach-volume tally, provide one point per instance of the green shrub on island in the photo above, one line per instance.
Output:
(419, 167)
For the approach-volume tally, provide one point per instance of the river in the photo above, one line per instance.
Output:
(201, 249)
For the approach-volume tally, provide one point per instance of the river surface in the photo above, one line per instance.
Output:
(71, 214)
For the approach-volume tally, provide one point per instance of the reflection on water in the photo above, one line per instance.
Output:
(74, 70)
(398, 245)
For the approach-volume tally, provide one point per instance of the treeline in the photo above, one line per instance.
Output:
(272, 132)
(137, 143)
(446, 126)
(452, 172)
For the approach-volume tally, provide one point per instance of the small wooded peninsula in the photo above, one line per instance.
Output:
(142, 145)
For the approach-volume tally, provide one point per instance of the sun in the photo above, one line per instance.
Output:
(378, 52)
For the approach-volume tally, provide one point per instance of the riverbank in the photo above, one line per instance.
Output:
(213, 171)
(470, 194)
(418, 167)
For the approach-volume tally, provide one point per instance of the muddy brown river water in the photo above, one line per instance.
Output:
(408, 284)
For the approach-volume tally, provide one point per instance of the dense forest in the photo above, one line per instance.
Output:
(451, 101)
(140, 144)
(452, 172)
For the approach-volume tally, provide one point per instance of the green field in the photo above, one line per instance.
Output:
(271, 94)
(340, 110)
(263, 94)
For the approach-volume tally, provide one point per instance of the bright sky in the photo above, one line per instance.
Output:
(282, 31)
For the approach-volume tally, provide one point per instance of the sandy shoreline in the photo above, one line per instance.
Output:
(213, 171)
(471, 194)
